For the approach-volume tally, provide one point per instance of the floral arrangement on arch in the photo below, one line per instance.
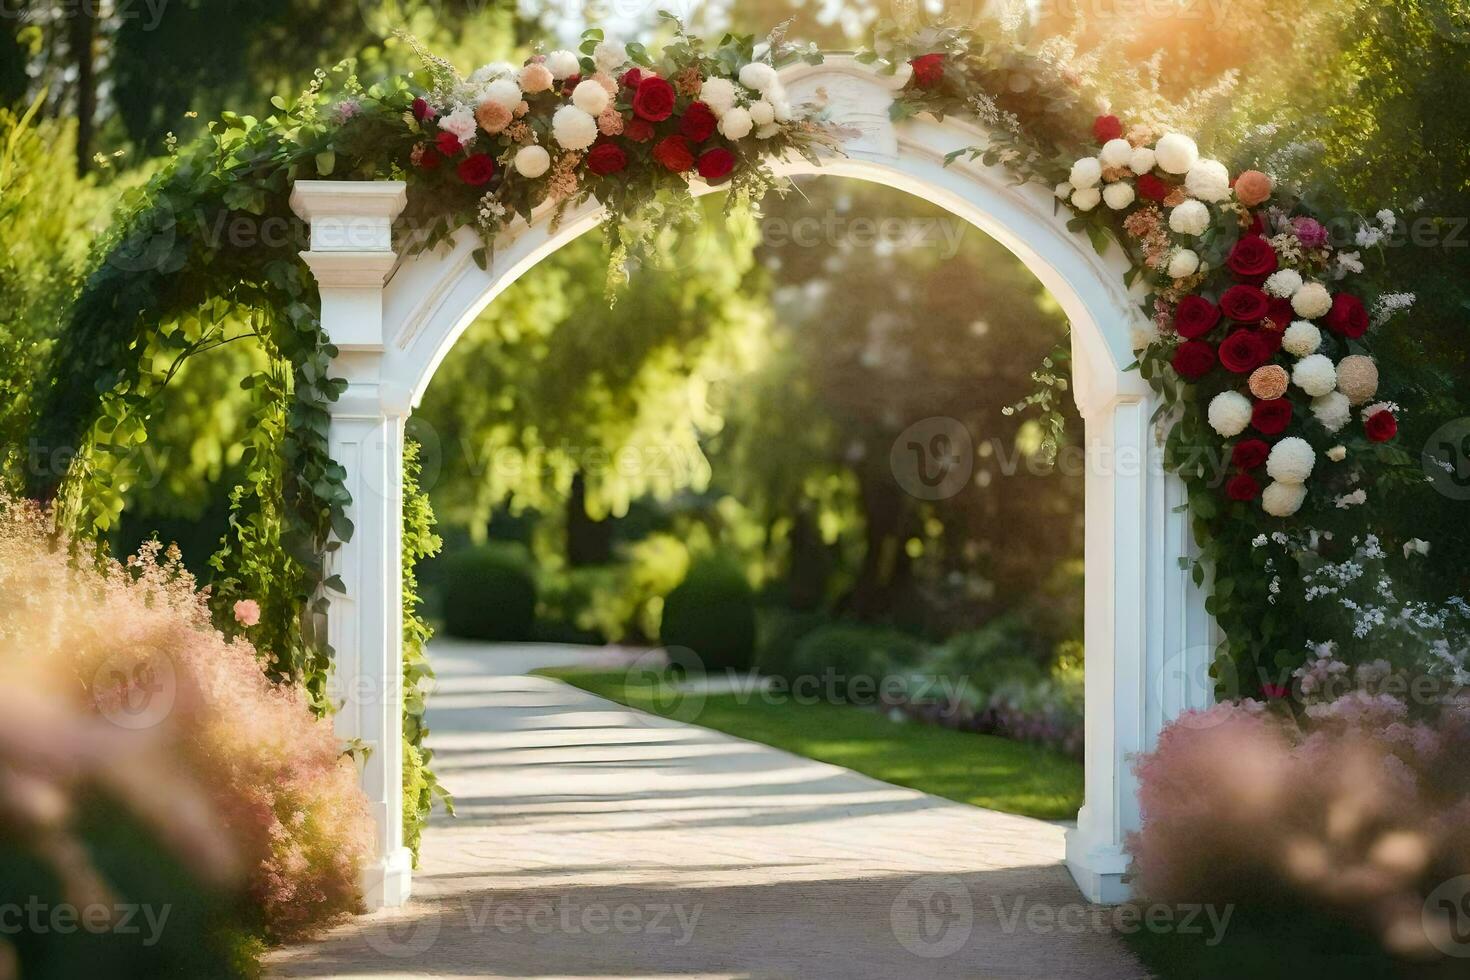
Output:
(1252, 304)
(1252, 317)
(607, 122)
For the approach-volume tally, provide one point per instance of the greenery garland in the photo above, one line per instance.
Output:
(209, 254)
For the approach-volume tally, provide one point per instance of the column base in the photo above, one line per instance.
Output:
(388, 883)
(1099, 870)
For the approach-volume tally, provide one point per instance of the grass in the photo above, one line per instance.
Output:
(981, 770)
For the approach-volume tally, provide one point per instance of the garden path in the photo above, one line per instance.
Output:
(594, 840)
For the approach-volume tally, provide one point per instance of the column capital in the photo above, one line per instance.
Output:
(350, 215)
(351, 254)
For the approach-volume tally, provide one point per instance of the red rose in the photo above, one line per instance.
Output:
(654, 99)
(1381, 426)
(1270, 338)
(1151, 187)
(674, 153)
(698, 122)
(606, 158)
(448, 144)
(476, 169)
(631, 78)
(1242, 351)
(1249, 453)
(422, 110)
(928, 70)
(638, 130)
(1272, 417)
(569, 83)
(1245, 304)
(1252, 257)
(1107, 128)
(716, 164)
(1194, 359)
(1257, 226)
(429, 159)
(1242, 486)
(1279, 312)
(1195, 316)
(1347, 316)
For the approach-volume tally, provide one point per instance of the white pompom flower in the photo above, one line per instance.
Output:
(1086, 172)
(590, 97)
(719, 94)
(782, 105)
(1291, 460)
(762, 113)
(1283, 499)
(758, 75)
(767, 131)
(1311, 301)
(1208, 180)
(532, 161)
(1283, 283)
(736, 124)
(1116, 153)
(1301, 338)
(503, 91)
(1118, 195)
(1332, 410)
(1086, 198)
(1189, 218)
(573, 129)
(1314, 374)
(1142, 160)
(609, 56)
(1184, 262)
(563, 64)
(1229, 413)
(1176, 153)
(493, 70)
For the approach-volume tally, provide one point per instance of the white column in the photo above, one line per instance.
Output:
(351, 256)
(1146, 632)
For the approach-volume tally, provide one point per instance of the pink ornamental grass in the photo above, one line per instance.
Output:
(133, 647)
(1359, 813)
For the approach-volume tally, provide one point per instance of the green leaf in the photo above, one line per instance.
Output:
(326, 161)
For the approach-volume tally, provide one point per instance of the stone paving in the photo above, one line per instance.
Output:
(597, 841)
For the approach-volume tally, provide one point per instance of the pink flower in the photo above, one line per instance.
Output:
(1309, 232)
(247, 612)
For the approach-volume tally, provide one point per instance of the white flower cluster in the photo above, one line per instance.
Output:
(757, 104)
(1105, 179)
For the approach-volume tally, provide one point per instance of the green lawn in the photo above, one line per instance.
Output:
(978, 769)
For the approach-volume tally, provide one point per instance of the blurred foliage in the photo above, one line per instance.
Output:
(708, 620)
(490, 593)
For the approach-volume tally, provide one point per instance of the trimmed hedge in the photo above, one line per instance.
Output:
(852, 650)
(711, 614)
(490, 594)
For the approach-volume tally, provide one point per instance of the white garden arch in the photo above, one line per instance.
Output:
(1148, 637)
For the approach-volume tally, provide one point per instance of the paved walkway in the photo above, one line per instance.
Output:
(597, 841)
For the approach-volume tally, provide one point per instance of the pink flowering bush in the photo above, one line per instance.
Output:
(1354, 813)
(132, 646)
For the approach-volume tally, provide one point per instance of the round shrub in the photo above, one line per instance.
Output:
(712, 613)
(781, 630)
(490, 594)
(851, 650)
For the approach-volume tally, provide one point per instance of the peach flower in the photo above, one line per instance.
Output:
(610, 122)
(247, 612)
(1252, 187)
(492, 117)
(535, 77)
